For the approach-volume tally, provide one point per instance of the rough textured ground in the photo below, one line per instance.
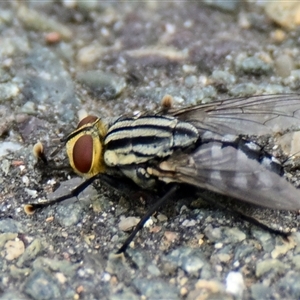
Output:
(58, 57)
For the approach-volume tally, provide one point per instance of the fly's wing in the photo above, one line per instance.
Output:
(228, 171)
(255, 115)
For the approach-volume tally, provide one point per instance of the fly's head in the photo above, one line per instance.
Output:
(85, 147)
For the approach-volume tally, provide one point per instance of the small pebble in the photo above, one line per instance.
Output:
(40, 285)
(126, 224)
(235, 284)
(14, 249)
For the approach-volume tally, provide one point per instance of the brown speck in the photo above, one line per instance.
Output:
(50, 219)
(209, 285)
(183, 291)
(155, 229)
(17, 163)
(114, 280)
(80, 289)
(53, 37)
(278, 35)
(170, 236)
(66, 256)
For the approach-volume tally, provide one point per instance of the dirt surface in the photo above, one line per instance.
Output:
(59, 57)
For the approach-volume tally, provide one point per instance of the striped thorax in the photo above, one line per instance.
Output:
(135, 141)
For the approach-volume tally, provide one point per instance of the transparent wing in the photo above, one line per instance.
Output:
(257, 115)
(228, 171)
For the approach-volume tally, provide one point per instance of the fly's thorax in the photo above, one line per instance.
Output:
(85, 147)
(139, 140)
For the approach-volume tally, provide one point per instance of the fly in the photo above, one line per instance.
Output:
(203, 146)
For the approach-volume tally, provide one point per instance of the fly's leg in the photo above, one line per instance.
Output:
(262, 225)
(31, 207)
(240, 215)
(148, 214)
(170, 193)
(122, 186)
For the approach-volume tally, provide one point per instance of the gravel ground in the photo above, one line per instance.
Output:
(58, 57)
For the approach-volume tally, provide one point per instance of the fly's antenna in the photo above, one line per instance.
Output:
(38, 152)
(167, 103)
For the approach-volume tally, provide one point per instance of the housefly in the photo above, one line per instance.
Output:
(205, 146)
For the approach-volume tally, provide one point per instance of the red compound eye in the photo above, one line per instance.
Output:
(83, 153)
(87, 120)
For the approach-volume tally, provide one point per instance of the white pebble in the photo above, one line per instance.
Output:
(235, 284)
